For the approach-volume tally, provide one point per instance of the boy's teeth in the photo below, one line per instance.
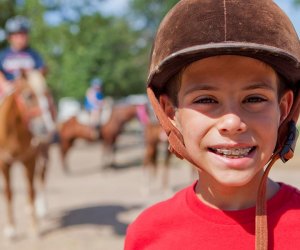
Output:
(235, 152)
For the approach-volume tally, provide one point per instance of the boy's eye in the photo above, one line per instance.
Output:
(205, 100)
(255, 99)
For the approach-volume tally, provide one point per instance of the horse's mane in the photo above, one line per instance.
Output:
(37, 81)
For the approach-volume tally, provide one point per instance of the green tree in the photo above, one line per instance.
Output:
(151, 12)
(7, 9)
(145, 16)
(102, 47)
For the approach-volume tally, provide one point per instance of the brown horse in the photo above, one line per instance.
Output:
(19, 112)
(154, 137)
(108, 133)
(156, 145)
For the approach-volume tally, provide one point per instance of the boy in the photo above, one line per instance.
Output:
(224, 80)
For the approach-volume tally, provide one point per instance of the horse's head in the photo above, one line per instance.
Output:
(32, 98)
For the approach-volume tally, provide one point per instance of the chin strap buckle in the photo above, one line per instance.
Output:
(288, 149)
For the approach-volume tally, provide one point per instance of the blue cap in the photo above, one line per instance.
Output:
(17, 24)
(96, 82)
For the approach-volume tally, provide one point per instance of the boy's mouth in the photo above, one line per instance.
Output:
(233, 152)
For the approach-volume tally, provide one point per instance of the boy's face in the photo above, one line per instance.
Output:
(19, 40)
(229, 114)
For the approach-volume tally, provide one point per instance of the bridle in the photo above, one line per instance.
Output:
(27, 114)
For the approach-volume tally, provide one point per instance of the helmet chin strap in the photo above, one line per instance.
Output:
(287, 137)
(176, 143)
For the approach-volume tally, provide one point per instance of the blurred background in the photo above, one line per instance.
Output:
(107, 38)
(91, 206)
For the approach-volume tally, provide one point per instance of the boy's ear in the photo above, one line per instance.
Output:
(285, 104)
(167, 107)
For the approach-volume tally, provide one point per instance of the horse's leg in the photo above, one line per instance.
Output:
(65, 146)
(166, 170)
(108, 152)
(42, 162)
(149, 165)
(10, 228)
(29, 165)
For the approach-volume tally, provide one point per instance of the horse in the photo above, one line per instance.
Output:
(155, 145)
(72, 129)
(20, 127)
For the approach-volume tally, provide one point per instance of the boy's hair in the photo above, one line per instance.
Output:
(173, 85)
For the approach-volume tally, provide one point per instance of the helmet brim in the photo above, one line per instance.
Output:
(282, 62)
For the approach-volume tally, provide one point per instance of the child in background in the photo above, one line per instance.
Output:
(94, 101)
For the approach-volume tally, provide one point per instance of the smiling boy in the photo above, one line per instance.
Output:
(224, 81)
(221, 101)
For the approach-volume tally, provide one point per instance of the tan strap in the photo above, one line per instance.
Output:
(261, 222)
(174, 136)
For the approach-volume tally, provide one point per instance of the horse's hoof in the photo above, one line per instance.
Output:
(10, 232)
(41, 207)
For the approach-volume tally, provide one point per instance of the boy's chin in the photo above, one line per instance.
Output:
(233, 183)
(236, 179)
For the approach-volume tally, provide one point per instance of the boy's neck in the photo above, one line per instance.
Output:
(232, 198)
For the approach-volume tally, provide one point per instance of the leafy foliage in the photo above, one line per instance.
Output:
(297, 2)
(7, 8)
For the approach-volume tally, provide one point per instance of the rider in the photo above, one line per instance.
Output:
(18, 55)
(94, 101)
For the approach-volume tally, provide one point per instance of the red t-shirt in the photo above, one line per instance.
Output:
(184, 222)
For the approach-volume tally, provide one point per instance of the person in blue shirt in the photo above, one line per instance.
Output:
(94, 101)
(18, 55)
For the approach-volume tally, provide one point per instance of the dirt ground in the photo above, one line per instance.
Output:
(90, 208)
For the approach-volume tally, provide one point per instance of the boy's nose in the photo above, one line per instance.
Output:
(231, 124)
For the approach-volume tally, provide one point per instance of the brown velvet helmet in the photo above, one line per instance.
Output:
(196, 29)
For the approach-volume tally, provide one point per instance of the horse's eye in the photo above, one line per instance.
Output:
(28, 96)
